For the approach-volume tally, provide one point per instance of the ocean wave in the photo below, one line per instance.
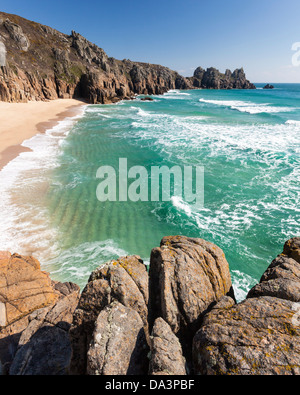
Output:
(174, 94)
(180, 204)
(97, 111)
(224, 225)
(249, 107)
(175, 134)
(292, 122)
(25, 224)
(177, 92)
(242, 283)
(150, 116)
(76, 263)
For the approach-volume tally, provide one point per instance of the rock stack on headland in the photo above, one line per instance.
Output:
(44, 64)
(180, 319)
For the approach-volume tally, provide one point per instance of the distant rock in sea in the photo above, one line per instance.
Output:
(268, 86)
(44, 64)
(147, 98)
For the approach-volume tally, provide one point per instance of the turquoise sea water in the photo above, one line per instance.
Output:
(247, 141)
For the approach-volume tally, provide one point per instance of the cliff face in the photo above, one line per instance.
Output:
(44, 64)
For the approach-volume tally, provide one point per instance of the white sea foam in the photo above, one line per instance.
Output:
(174, 94)
(78, 262)
(180, 204)
(238, 141)
(272, 146)
(24, 220)
(98, 111)
(167, 117)
(292, 122)
(249, 107)
(177, 92)
(242, 283)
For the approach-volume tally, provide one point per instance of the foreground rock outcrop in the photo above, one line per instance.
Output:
(187, 277)
(260, 336)
(118, 346)
(44, 64)
(36, 314)
(166, 351)
(181, 319)
(124, 281)
(213, 79)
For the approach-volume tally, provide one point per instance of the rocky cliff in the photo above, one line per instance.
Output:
(44, 64)
(180, 319)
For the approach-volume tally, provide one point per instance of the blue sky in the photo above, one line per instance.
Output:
(182, 34)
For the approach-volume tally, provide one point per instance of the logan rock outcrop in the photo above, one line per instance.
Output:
(213, 79)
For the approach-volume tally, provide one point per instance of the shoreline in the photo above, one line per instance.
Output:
(30, 119)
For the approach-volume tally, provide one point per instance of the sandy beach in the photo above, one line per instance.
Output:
(21, 121)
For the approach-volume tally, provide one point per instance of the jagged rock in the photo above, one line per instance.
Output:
(147, 98)
(199, 72)
(60, 314)
(44, 346)
(118, 346)
(23, 287)
(259, 336)
(279, 288)
(124, 280)
(127, 278)
(152, 79)
(292, 249)
(187, 277)
(95, 297)
(2, 53)
(16, 33)
(29, 300)
(89, 52)
(282, 267)
(166, 351)
(182, 83)
(213, 79)
(48, 353)
(190, 290)
(282, 278)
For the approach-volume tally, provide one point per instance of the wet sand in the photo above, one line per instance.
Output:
(21, 121)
